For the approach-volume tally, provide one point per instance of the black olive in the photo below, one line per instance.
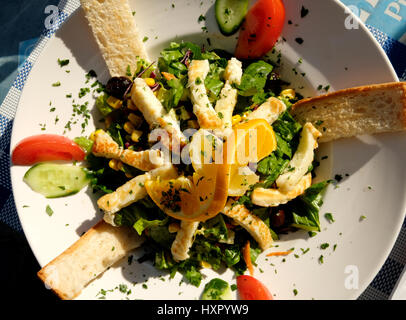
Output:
(117, 86)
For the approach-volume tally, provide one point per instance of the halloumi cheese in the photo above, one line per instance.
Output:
(228, 95)
(275, 197)
(202, 108)
(302, 159)
(250, 222)
(233, 71)
(154, 112)
(132, 191)
(184, 240)
(270, 110)
(105, 146)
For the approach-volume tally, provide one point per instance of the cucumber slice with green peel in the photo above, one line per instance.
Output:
(56, 180)
(230, 14)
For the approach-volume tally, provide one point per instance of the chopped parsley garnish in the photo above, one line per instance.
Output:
(304, 12)
(49, 210)
(329, 217)
(56, 84)
(324, 246)
(63, 63)
(83, 92)
(299, 40)
(321, 259)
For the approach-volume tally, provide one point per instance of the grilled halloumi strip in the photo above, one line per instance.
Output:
(302, 159)
(270, 110)
(228, 95)
(132, 191)
(202, 108)
(154, 113)
(184, 240)
(105, 146)
(250, 222)
(275, 197)
(233, 72)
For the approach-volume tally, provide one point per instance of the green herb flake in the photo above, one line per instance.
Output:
(321, 259)
(329, 217)
(49, 210)
(63, 63)
(362, 218)
(56, 84)
(295, 292)
(324, 246)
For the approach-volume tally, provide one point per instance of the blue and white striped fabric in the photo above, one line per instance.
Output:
(384, 18)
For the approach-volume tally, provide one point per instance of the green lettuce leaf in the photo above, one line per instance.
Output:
(254, 78)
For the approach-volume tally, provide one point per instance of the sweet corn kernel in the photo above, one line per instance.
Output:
(236, 119)
(135, 120)
(107, 121)
(193, 124)
(173, 227)
(113, 164)
(128, 127)
(288, 93)
(150, 82)
(114, 102)
(136, 135)
(205, 264)
(131, 105)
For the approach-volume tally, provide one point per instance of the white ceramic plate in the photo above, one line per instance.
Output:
(332, 55)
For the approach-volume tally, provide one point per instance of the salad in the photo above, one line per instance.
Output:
(198, 154)
(166, 207)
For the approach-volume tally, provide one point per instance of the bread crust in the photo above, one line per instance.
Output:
(123, 238)
(375, 116)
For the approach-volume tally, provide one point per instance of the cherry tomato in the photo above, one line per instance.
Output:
(46, 147)
(250, 288)
(261, 29)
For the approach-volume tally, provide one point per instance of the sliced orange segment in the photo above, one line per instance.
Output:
(253, 141)
(198, 198)
(250, 142)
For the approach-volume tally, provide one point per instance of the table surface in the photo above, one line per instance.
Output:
(23, 24)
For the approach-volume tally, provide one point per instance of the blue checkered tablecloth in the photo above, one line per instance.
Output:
(386, 19)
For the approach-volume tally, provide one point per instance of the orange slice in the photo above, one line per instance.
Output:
(195, 198)
(251, 141)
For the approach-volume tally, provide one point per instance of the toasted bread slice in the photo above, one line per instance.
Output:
(362, 110)
(116, 33)
(99, 248)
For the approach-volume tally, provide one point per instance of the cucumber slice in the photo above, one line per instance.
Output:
(217, 289)
(230, 14)
(56, 180)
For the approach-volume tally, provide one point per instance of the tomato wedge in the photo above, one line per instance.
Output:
(261, 29)
(46, 147)
(250, 288)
